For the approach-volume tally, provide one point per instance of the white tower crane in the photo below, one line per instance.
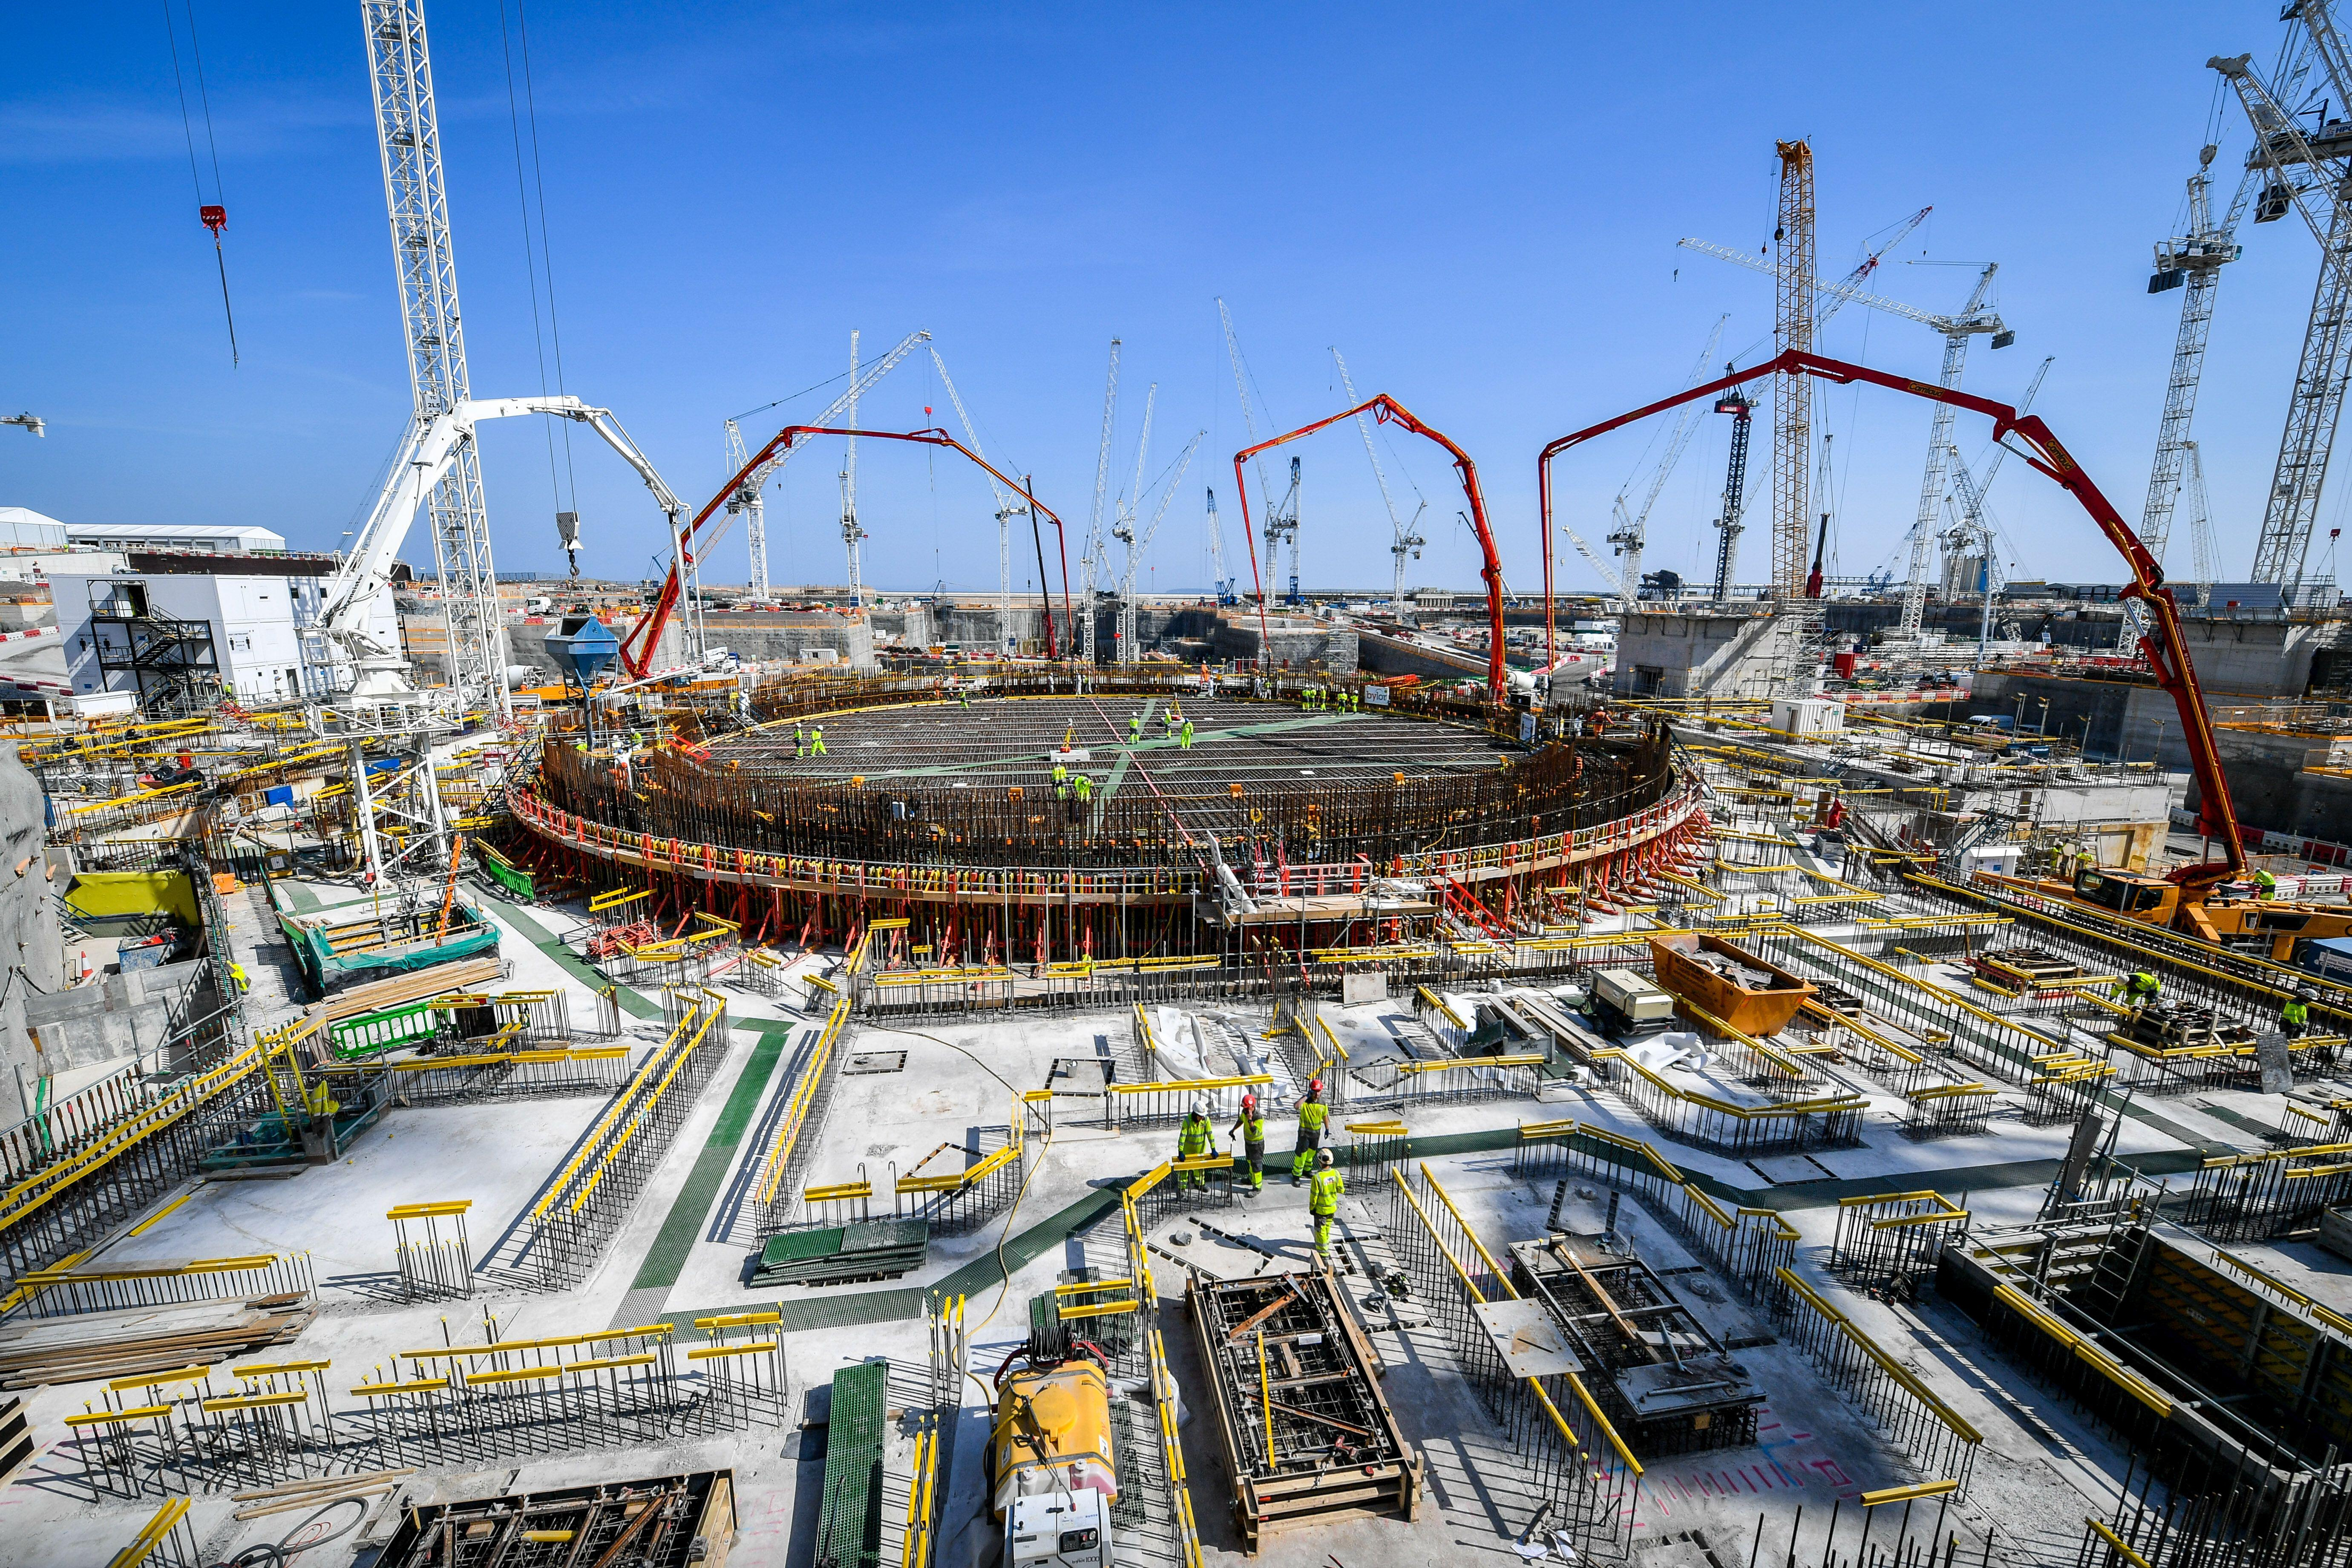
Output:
(1008, 507)
(745, 499)
(408, 136)
(2299, 166)
(754, 510)
(1408, 539)
(1124, 509)
(1127, 651)
(1974, 320)
(1632, 531)
(1091, 558)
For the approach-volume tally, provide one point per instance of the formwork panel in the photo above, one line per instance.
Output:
(1308, 1435)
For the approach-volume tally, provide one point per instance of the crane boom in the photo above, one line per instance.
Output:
(423, 466)
(2316, 404)
(1633, 533)
(2163, 646)
(1007, 509)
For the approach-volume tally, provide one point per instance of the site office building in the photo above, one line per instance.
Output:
(209, 608)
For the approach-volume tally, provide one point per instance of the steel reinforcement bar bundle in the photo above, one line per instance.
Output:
(584, 1206)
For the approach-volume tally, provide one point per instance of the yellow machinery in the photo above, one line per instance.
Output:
(2265, 926)
(1052, 1483)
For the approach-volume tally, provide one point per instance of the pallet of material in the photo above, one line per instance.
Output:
(837, 1255)
(36, 1350)
(1308, 1437)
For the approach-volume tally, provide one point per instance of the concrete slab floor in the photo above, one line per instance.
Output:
(683, 1247)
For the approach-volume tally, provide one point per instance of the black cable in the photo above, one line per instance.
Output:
(276, 1555)
(529, 267)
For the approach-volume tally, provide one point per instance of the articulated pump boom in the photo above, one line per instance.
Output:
(381, 670)
(2184, 896)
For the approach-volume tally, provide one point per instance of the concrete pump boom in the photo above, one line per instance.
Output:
(2166, 653)
(1388, 410)
(638, 647)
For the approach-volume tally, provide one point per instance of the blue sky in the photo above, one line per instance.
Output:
(1477, 205)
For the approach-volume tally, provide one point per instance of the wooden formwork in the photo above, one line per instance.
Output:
(1308, 1437)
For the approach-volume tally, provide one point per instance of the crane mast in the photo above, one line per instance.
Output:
(1971, 320)
(408, 136)
(755, 512)
(1282, 523)
(1734, 484)
(1091, 558)
(1792, 333)
(2295, 165)
(1122, 528)
(851, 532)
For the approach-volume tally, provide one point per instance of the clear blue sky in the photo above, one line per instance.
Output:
(1477, 205)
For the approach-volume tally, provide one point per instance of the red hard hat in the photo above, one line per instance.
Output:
(1315, 1086)
(1249, 1102)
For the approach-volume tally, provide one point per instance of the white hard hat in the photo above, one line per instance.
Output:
(1322, 1156)
(1201, 1107)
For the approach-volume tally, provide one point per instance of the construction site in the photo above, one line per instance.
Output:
(576, 1074)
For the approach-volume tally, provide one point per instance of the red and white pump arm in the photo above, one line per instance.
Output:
(2217, 816)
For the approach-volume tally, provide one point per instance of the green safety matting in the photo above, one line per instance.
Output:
(849, 1517)
(864, 1250)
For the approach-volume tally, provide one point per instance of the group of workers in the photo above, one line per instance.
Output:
(807, 741)
(1310, 1161)
(2142, 989)
(1333, 699)
(1171, 722)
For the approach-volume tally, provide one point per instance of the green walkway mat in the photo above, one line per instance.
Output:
(849, 1517)
(869, 1249)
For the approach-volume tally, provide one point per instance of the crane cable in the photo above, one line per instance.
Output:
(543, 261)
(213, 214)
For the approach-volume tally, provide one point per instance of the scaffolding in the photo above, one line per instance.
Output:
(2140, 1329)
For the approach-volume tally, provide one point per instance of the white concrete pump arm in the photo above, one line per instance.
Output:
(432, 445)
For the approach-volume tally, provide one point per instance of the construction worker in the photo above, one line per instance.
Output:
(1083, 784)
(1323, 1200)
(800, 739)
(2294, 1018)
(1312, 1114)
(2142, 989)
(1196, 1140)
(236, 972)
(2265, 885)
(816, 741)
(1249, 1131)
(1186, 736)
(1061, 778)
(963, 695)
(1134, 728)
